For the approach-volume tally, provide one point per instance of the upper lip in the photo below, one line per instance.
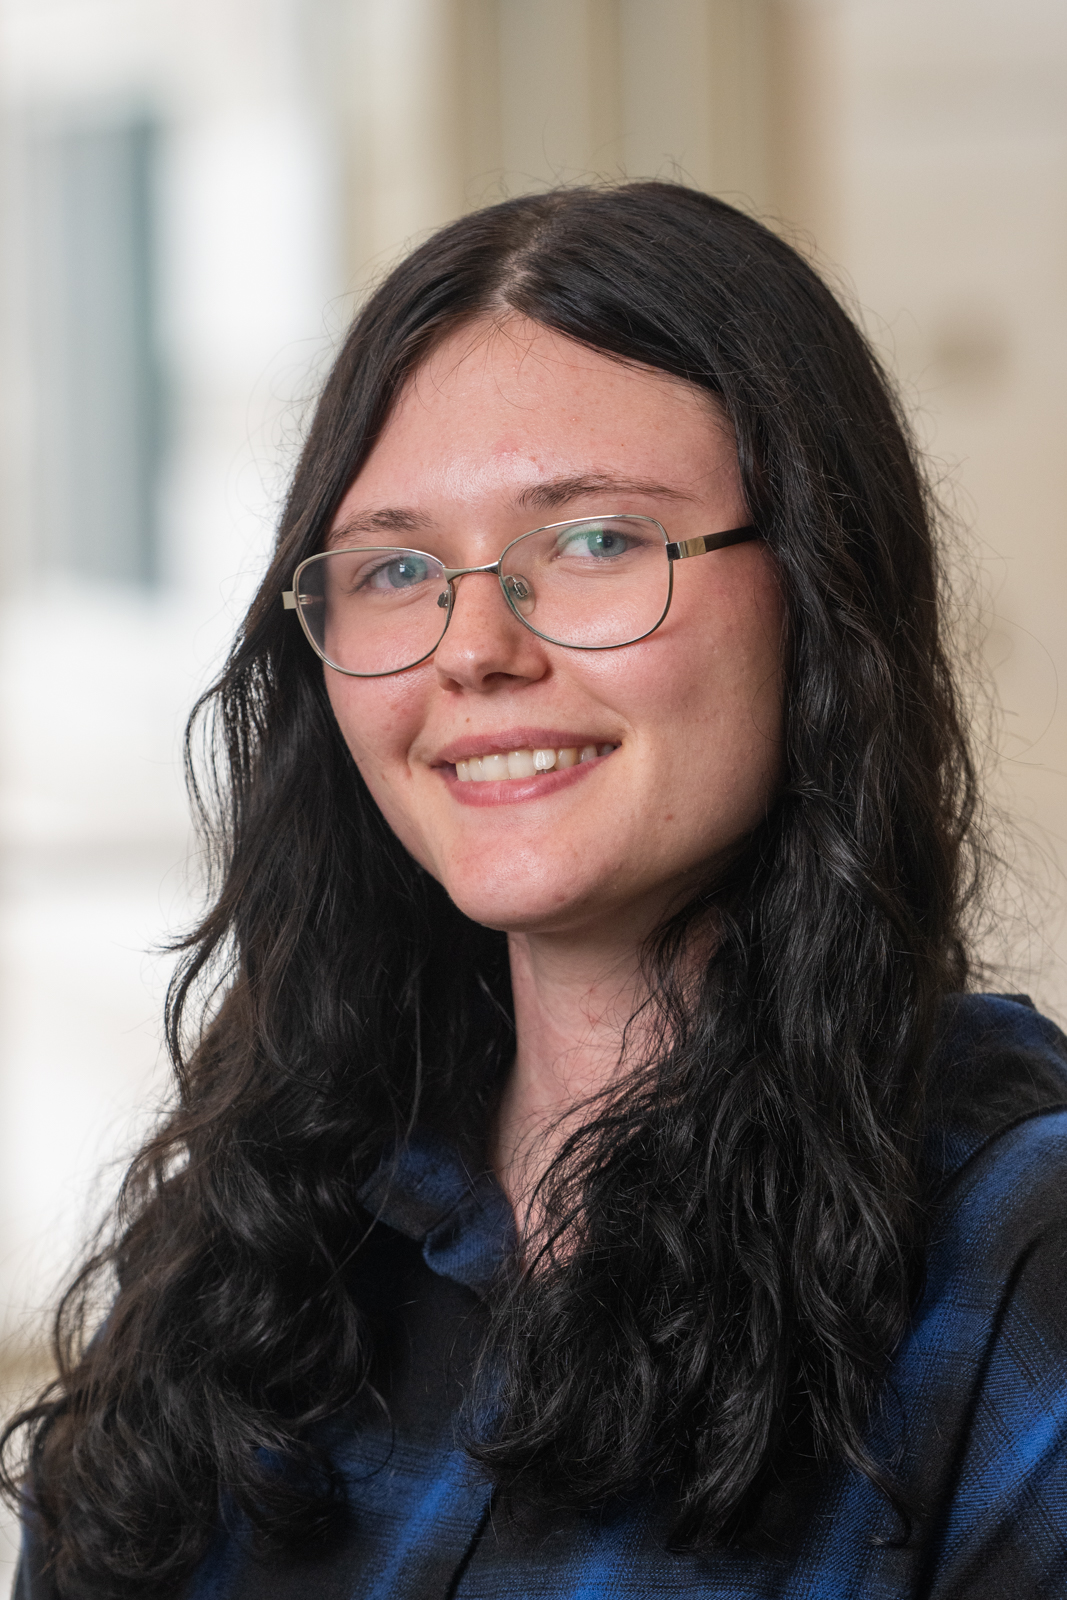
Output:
(502, 744)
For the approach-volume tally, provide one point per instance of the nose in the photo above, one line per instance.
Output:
(485, 646)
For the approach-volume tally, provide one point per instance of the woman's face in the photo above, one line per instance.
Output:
(506, 428)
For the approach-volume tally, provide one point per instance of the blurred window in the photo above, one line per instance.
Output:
(98, 393)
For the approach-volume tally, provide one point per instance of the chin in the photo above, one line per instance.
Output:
(514, 912)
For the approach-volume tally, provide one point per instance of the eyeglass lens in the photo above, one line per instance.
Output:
(592, 584)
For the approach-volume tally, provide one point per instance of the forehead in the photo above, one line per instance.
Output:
(499, 406)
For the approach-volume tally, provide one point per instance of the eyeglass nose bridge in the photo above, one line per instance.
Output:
(515, 589)
(450, 574)
(446, 600)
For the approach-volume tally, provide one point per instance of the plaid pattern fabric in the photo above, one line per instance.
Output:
(974, 1417)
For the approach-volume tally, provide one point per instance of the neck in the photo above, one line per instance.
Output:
(573, 996)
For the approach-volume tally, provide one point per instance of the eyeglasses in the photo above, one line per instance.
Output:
(594, 583)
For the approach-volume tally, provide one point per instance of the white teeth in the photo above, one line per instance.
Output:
(526, 763)
(521, 764)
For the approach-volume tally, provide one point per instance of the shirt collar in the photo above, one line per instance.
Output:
(463, 1221)
(998, 1063)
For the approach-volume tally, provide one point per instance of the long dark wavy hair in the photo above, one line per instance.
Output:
(744, 1211)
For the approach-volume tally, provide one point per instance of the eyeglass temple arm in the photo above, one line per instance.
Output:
(710, 541)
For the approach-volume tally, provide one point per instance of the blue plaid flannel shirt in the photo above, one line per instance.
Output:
(975, 1415)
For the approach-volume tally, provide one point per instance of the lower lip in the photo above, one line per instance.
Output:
(511, 791)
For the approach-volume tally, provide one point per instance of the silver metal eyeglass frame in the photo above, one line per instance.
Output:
(676, 550)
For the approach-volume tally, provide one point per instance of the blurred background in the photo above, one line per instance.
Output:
(193, 196)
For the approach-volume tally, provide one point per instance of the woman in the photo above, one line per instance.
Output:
(588, 1175)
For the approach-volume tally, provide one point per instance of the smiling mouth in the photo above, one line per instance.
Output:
(528, 763)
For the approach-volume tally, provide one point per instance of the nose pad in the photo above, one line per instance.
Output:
(520, 592)
(483, 642)
(442, 599)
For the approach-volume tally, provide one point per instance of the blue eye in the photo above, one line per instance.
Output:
(403, 572)
(598, 542)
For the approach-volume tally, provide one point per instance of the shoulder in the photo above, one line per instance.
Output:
(998, 1088)
(997, 1160)
(33, 1580)
(980, 1382)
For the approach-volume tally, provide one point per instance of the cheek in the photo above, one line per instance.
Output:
(713, 703)
(718, 670)
(379, 719)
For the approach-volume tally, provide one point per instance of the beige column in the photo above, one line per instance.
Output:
(450, 104)
(559, 91)
(923, 150)
(401, 119)
(695, 89)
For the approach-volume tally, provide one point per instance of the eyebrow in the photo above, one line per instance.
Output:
(556, 492)
(387, 519)
(546, 496)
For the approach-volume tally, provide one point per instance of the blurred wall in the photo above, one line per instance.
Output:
(449, 104)
(924, 148)
(170, 260)
(245, 168)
